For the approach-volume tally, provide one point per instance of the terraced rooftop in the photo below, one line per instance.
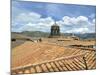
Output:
(31, 57)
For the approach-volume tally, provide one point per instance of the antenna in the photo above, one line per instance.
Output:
(55, 23)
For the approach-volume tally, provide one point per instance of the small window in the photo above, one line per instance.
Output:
(13, 39)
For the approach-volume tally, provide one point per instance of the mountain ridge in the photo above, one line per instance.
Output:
(46, 34)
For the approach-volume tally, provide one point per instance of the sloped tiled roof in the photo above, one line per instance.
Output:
(43, 57)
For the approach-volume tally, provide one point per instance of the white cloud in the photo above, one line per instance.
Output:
(74, 20)
(82, 18)
(46, 21)
(30, 24)
(80, 24)
(31, 21)
(28, 17)
(93, 21)
(78, 30)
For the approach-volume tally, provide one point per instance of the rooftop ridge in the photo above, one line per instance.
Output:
(58, 59)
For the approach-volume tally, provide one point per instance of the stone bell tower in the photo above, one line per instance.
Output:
(55, 30)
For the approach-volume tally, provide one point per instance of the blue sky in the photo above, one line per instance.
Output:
(39, 16)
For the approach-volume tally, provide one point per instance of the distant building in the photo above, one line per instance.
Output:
(55, 31)
(74, 37)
